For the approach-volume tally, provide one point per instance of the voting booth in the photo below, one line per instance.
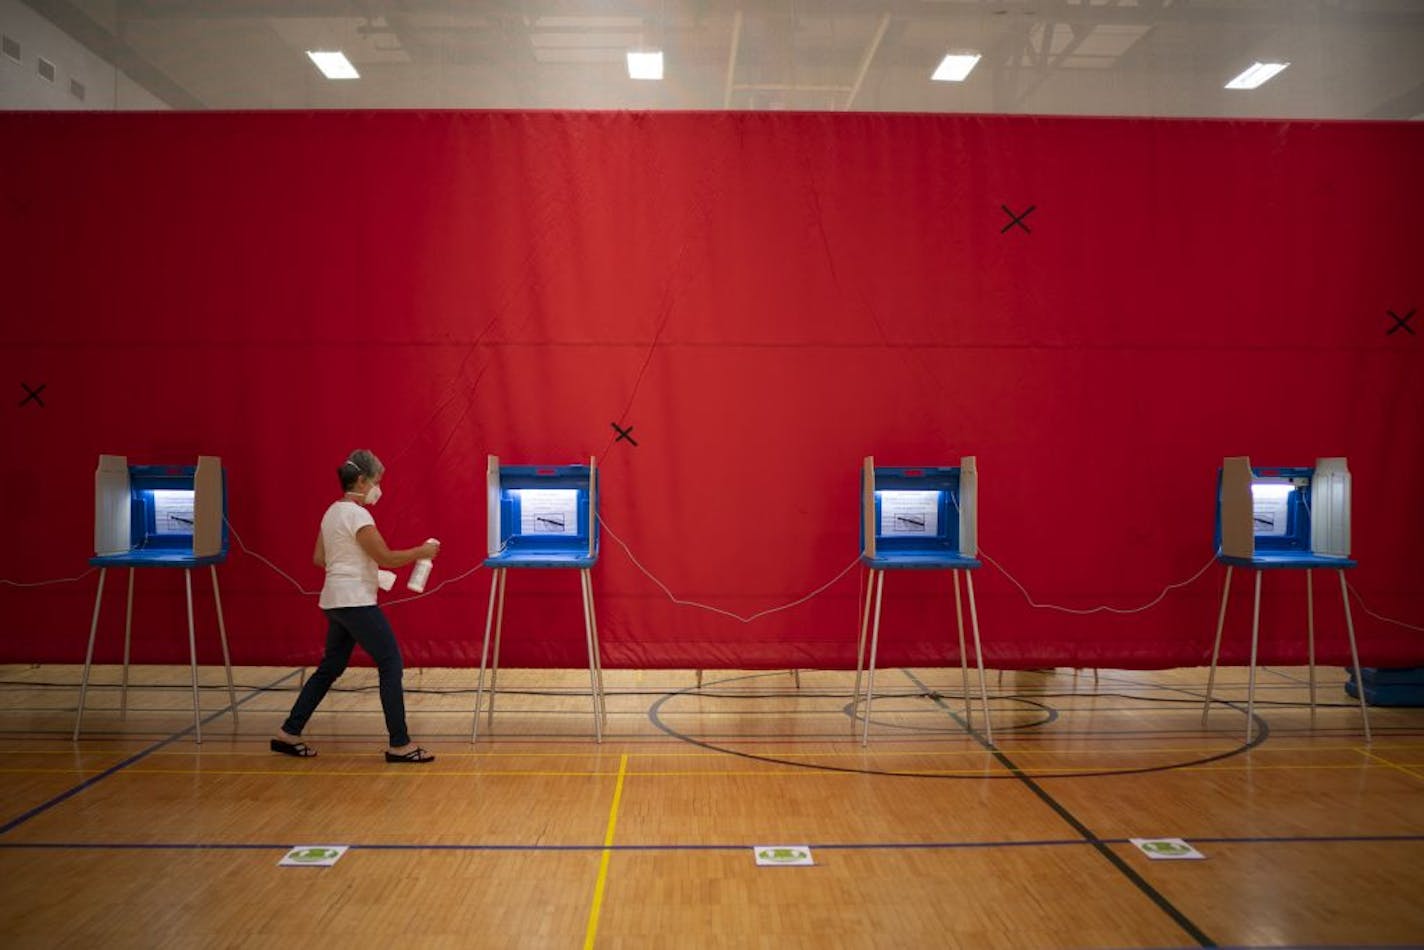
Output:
(919, 518)
(540, 517)
(1283, 518)
(159, 516)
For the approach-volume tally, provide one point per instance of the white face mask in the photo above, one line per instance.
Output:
(374, 495)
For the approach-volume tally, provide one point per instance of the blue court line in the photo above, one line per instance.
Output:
(634, 848)
(14, 823)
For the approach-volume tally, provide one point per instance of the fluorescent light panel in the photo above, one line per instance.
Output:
(645, 65)
(955, 67)
(333, 64)
(1255, 75)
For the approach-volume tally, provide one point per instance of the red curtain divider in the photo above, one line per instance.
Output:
(1098, 309)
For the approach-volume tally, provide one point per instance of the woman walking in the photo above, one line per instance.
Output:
(352, 551)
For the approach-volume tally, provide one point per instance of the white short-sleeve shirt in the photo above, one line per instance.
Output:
(350, 571)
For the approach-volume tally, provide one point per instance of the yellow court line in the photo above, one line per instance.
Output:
(1066, 770)
(111, 755)
(1045, 772)
(810, 771)
(976, 750)
(598, 887)
(449, 773)
(1248, 767)
(370, 773)
(1394, 765)
(327, 751)
(811, 757)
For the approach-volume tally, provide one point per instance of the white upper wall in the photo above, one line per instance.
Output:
(1348, 59)
(22, 86)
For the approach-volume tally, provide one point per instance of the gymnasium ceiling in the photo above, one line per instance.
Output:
(1352, 59)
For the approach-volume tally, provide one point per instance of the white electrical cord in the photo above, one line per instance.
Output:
(718, 610)
(1083, 612)
(246, 550)
(313, 593)
(1103, 608)
(457, 577)
(1367, 610)
(57, 580)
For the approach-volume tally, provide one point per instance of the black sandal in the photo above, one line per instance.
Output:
(299, 750)
(416, 756)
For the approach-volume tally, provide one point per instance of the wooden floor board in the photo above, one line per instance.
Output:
(537, 836)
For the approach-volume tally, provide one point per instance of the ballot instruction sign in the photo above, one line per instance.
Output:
(909, 514)
(548, 511)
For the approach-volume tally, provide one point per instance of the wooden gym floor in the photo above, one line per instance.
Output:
(536, 836)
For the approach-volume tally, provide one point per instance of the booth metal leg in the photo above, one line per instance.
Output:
(128, 627)
(699, 679)
(1310, 634)
(878, 582)
(1216, 647)
(193, 657)
(963, 654)
(222, 638)
(864, 628)
(587, 591)
(494, 659)
(796, 677)
(1251, 673)
(89, 654)
(597, 652)
(484, 655)
(979, 655)
(1355, 658)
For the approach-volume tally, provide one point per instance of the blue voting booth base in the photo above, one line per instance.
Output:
(541, 517)
(163, 510)
(919, 518)
(1264, 523)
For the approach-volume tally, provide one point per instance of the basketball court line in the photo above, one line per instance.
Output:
(655, 848)
(591, 932)
(1126, 870)
(64, 796)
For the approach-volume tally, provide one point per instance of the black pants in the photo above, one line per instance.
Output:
(346, 627)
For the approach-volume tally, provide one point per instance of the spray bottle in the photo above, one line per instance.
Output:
(421, 572)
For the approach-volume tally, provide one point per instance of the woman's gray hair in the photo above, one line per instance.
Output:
(358, 463)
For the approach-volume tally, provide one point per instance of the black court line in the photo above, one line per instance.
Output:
(646, 848)
(62, 797)
(1099, 844)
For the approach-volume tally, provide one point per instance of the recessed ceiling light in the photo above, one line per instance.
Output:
(645, 65)
(333, 65)
(1256, 75)
(955, 67)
